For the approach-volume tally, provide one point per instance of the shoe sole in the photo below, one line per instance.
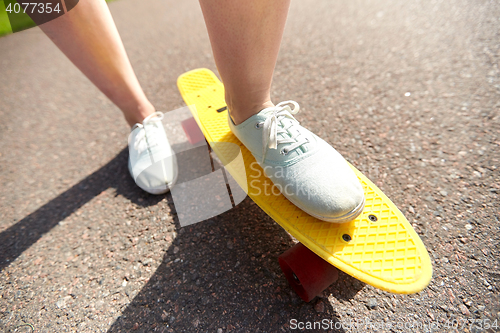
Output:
(159, 189)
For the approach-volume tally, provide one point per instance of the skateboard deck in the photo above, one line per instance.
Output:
(379, 247)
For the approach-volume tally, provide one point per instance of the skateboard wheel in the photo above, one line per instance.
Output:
(307, 273)
(193, 132)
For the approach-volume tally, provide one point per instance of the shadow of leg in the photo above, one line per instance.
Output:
(224, 274)
(20, 236)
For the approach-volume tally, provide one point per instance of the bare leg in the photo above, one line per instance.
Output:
(88, 36)
(245, 37)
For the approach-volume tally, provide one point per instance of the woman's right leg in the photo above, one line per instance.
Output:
(87, 35)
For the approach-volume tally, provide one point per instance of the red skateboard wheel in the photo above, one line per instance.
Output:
(193, 132)
(307, 273)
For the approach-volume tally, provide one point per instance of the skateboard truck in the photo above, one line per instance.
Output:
(307, 273)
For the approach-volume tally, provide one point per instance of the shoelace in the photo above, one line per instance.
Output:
(149, 136)
(273, 126)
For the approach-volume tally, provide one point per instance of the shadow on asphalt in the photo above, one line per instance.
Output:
(224, 273)
(20, 236)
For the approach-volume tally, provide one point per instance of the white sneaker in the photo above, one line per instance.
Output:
(306, 169)
(151, 163)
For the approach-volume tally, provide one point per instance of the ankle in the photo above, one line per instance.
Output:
(137, 113)
(241, 113)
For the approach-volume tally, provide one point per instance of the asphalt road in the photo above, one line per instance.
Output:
(408, 91)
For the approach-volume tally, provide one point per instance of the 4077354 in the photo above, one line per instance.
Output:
(33, 8)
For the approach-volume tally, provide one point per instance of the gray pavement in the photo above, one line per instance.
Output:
(408, 91)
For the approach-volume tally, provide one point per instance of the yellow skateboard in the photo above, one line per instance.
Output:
(379, 247)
